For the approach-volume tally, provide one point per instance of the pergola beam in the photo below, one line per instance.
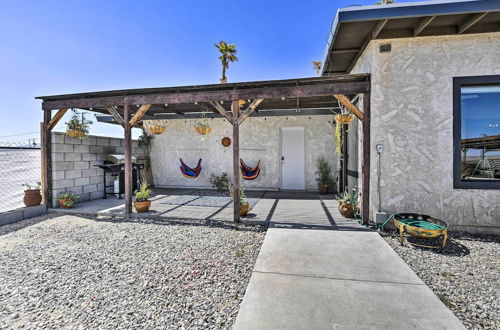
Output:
(53, 122)
(221, 110)
(345, 101)
(422, 25)
(470, 22)
(118, 118)
(319, 89)
(139, 114)
(248, 111)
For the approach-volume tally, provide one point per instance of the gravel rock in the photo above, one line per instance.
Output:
(83, 272)
(465, 275)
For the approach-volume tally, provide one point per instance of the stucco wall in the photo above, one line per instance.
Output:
(259, 140)
(411, 104)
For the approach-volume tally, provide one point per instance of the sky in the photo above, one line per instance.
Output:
(58, 47)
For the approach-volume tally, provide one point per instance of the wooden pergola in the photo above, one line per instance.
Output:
(291, 97)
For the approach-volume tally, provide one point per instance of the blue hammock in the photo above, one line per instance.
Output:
(189, 172)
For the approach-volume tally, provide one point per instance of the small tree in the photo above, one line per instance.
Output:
(385, 2)
(317, 66)
(228, 54)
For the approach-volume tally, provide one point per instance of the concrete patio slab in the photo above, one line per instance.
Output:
(362, 256)
(280, 301)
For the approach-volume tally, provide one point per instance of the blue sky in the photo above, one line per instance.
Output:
(56, 47)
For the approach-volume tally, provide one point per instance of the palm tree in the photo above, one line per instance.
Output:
(228, 54)
(317, 66)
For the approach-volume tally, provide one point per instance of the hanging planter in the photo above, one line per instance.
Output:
(343, 119)
(201, 129)
(155, 127)
(156, 130)
(78, 126)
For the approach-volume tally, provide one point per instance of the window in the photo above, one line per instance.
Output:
(476, 132)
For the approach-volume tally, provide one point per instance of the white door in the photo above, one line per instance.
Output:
(293, 158)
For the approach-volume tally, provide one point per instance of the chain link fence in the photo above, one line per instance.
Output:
(19, 164)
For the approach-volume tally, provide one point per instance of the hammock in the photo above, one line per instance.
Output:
(249, 173)
(189, 172)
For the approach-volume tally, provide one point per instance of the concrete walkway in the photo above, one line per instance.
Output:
(317, 270)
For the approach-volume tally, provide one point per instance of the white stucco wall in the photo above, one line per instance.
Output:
(411, 104)
(260, 139)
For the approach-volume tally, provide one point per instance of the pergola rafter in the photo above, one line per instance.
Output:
(313, 95)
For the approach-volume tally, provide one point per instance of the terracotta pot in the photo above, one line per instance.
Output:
(346, 210)
(244, 208)
(202, 130)
(76, 133)
(62, 205)
(324, 188)
(157, 130)
(32, 197)
(142, 206)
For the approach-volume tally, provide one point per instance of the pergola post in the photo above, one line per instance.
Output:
(46, 158)
(236, 161)
(365, 161)
(128, 158)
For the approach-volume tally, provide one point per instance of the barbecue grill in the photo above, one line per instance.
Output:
(114, 165)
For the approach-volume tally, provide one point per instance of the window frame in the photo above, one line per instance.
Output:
(458, 83)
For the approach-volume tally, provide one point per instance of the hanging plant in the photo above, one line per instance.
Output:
(202, 127)
(78, 126)
(343, 118)
(156, 128)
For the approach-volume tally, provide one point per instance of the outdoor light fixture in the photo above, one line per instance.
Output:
(282, 99)
(166, 104)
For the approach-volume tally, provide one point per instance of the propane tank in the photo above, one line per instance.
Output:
(116, 187)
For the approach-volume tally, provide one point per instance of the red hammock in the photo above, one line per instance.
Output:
(249, 173)
(189, 172)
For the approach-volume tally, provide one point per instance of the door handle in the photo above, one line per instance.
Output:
(282, 158)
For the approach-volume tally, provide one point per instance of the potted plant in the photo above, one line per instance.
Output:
(78, 126)
(32, 196)
(155, 127)
(142, 203)
(202, 127)
(66, 200)
(227, 55)
(325, 178)
(244, 204)
(348, 204)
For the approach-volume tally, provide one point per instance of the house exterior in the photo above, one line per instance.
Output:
(426, 76)
(417, 55)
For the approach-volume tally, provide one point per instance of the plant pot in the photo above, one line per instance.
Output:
(324, 188)
(142, 206)
(157, 130)
(76, 133)
(62, 205)
(204, 130)
(32, 197)
(343, 119)
(347, 210)
(244, 208)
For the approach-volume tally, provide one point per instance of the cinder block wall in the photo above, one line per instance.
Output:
(73, 161)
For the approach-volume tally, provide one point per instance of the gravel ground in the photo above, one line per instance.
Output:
(465, 276)
(81, 272)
